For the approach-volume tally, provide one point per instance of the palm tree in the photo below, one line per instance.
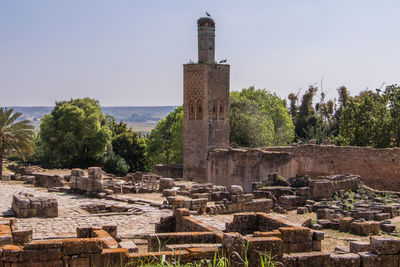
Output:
(15, 137)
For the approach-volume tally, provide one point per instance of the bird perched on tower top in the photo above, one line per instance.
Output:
(208, 14)
(223, 61)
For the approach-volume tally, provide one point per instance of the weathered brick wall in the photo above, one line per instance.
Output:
(245, 166)
(378, 168)
(45, 180)
(169, 170)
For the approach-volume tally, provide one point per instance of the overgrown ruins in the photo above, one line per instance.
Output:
(300, 205)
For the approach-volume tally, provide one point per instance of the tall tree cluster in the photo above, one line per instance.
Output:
(77, 134)
(367, 119)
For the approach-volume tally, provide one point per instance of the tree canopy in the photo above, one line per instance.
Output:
(165, 142)
(259, 118)
(367, 119)
(75, 134)
(129, 145)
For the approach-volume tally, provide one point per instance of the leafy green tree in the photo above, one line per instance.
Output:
(305, 117)
(129, 145)
(259, 118)
(364, 121)
(15, 136)
(392, 94)
(115, 164)
(75, 134)
(165, 142)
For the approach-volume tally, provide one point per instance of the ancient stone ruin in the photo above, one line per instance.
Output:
(25, 205)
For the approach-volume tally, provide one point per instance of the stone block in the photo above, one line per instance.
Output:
(111, 229)
(21, 237)
(295, 234)
(77, 172)
(237, 198)
(344, 223)
(169, 193)
(29, 179)
(127, 189)
(290, 201)
(302, 210)
(318, 235)
(118, 208)
(81, 246)
(316, 245)
(84, 232)
(199, 205)
(385, 245)
(82, 183)
(236, 190)
(323, 213)
(5, 239)
(392, 210)
(95, 173)
(369, 259)
(202, 195)
(365, 228)
(248, 197)
(259, 205)
(303, 191)
(129, 245)
(273, 246)
(6, 177)
(382, 216)
(388, 228)
(166, 183)
(234, 245)
(297, 247)
(359, 246)
(306, 259)
(275, 233)
(344, 260)
(322, 189)
(79, 262)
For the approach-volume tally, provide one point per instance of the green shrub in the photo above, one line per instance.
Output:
(115, 164)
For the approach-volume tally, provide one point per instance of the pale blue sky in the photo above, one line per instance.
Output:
(131, 52)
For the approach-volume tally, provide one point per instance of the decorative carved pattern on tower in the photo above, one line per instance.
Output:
(194, 84)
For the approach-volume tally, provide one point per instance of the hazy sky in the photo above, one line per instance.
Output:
(131, 52)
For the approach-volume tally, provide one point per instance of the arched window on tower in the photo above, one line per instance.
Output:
(221, 110)
(192, 110)
(214, 109)
(199, 110)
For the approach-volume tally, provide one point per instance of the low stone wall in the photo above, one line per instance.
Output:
(48, 181)
(377, 168)
(169, 170)
(287, 244)
(245, 166)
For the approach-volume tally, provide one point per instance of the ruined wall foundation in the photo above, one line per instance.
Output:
(378, 168)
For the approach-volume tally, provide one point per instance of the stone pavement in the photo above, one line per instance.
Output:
(71, 216)
(217, 221)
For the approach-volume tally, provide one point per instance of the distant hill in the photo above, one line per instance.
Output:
(145, 114)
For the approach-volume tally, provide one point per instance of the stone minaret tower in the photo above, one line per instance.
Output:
(206, 105)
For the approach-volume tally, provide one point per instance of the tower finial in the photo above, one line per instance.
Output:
(206, 39)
